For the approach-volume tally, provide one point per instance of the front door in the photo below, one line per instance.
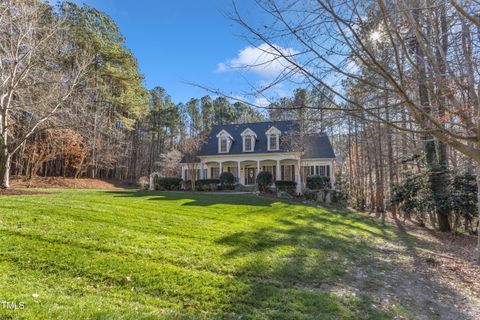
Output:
(249, 176)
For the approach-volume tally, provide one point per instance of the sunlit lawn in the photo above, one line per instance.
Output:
(146, 255)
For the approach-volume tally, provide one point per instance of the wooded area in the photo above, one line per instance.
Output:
(404, 75)
(73, 102)
(395, 84)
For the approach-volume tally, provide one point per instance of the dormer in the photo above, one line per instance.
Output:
(249, 137)
(273, 139)
(225, 141)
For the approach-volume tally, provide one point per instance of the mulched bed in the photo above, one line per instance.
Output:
(18, 192)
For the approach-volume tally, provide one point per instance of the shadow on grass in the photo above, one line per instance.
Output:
(308, 268)
(197, 199)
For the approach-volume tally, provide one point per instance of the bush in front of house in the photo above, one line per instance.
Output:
(168, 183)
(187, 185)
(286, 185)
(207, 184)
(339, 197)
(318, 183)
(227, 180)
(264, 181)
(309, 194)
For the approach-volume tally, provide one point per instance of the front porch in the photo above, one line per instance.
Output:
(245, 169)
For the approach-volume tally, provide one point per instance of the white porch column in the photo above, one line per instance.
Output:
(332, 175)
(258, 166)
(278, 172)
(238, 172)
(220, 171)
(183, 172)
(298, 178)
(202, 170)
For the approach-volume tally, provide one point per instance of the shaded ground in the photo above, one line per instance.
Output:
(149, 255)
(68, 183)
(16, 192)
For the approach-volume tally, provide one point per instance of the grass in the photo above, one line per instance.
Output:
(144, 255)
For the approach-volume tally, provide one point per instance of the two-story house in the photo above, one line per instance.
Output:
(248, 148)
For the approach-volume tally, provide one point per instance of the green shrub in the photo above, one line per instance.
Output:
(285, 185)
(339, 197)
(309, 194)
(168, 183)
(318, 183)
(227, 180)
(207, 184)
(264, 181)
(187, 185)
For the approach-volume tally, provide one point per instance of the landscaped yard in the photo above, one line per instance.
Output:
(132, 255)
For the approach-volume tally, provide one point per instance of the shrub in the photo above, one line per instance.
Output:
(264, 181)
(285, 185)
(339, 197)
(168, 183)
(207, 184)
(187, 185)
(309, 194)
(318, 183)
(227, 180)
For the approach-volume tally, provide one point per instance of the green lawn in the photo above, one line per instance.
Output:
(149, 255)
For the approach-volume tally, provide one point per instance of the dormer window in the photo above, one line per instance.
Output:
(273, 142)
(248, 144)
(248, 140)
(224, 141)
(223, 144)
(273, 138)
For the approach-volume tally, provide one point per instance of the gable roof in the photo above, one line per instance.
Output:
(318, 146)
(224, 132)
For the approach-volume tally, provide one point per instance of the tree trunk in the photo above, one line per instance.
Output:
(4, 169)
(477, 255)
(434, 156)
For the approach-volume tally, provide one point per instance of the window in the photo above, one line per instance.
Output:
(273, 135)
(249, 138)
(273, 142)
(248, 144)
(223, 145)
(214, 173)
(225, 141)
(309, 171)
(288, 172)
(232, 170)
(323, 171)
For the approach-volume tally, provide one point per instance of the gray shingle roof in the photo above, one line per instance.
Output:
(318, 146)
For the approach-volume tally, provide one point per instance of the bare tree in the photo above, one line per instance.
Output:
(39, 71)
(190, 147)
(170, 163)
(431, 73)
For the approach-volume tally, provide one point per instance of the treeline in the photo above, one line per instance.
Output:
(73, 102)
(404, 74)
(386, 170)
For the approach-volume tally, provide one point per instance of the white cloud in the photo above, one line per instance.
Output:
(263, 60)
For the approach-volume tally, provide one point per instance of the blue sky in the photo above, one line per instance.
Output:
(189, 41)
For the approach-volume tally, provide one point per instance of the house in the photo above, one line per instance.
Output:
(248, 148)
